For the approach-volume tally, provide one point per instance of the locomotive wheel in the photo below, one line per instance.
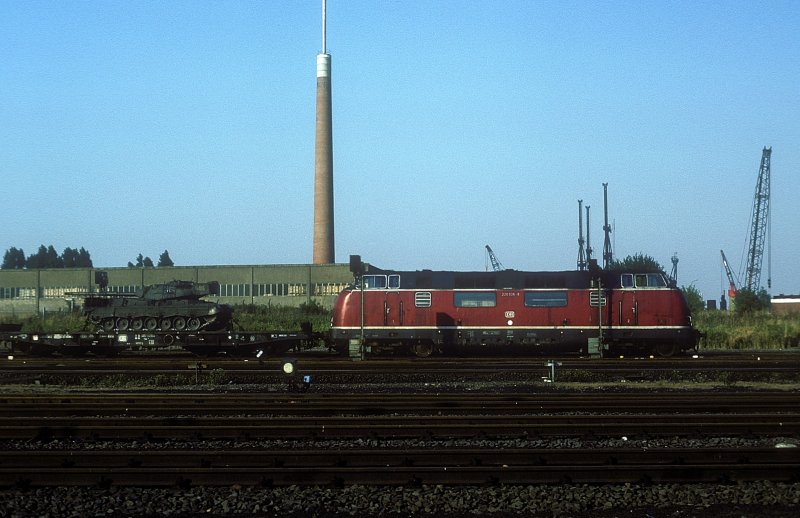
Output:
(123, 324)
(166, 324)
(151, 324)
(179, 323)
(108, 324)
(666, 350)
(423, 349)
(137, 324)
(193, 324)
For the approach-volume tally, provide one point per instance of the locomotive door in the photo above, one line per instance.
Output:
(393, 309)
(628, 309)
(393, 303)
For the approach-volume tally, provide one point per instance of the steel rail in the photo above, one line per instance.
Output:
(442, 466)
(399, 426)
(312, 404)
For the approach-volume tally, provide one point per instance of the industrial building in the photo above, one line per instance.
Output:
(32, 291)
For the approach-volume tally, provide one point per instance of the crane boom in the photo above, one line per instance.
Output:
(496, 264)
(731, 282)
(758, 229)
(728, 271)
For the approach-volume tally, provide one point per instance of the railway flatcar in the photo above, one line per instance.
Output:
(425, 312)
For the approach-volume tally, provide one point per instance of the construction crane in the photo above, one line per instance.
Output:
(731, 281)
(759, 226)
(496, 265)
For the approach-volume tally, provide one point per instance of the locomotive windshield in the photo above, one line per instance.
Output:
(381, 281)
(643, 280)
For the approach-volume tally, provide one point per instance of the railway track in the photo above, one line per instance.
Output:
(397, 427)
(175, 439)
(50, 406)
(409, 467)
(22, 368)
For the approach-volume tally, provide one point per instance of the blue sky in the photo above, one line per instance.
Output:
(133, 127)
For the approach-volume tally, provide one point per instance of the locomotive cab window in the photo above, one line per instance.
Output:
(545, 299)
(374, 281)
(381, 281)
(475, 299)
(643, 280)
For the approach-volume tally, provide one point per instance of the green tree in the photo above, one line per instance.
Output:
(141, 262)
(164, 260)
(14, 259)
(693, 298)
(84, 259)
(45, 257)
(749, 301)
(637, 263)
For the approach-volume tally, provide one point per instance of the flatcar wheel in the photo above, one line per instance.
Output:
(108, 324)
(123, 324)
(179, 323)
(422, 350)
(193, 324)
(151, 324)
(666, 350)
(137, 324)
(166, 324)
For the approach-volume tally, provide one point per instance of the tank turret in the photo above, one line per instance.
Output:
(172, 306)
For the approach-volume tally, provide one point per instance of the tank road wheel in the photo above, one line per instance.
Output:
(666, 349)
(137, 324)
(179, 323)
(193, 324)
(123, 324)
(151, 324)
(166, 324)
(108, 324)
(422, 349)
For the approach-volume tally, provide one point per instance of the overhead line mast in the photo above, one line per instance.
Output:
(608, 256)
(581, 242)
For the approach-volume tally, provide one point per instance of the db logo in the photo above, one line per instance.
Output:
(510, 314)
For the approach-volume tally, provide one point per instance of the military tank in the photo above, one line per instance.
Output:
(172, 306)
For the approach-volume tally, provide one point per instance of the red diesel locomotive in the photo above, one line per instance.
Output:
(423, 312)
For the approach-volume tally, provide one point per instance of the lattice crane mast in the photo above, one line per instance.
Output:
(759, 226)
(496, 264)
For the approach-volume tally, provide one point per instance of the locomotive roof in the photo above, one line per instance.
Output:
(504, 279)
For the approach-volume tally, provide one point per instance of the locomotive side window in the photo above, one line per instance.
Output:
(381, 281)
(475, 299)
(627, 280)
(545, 299)
(422, 299)
(374, 281)
(644, 280)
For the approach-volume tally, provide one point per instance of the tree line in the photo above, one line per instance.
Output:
(47, 257)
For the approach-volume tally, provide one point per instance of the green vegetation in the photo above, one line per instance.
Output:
(46, 257)
(749, 330)
(637, 263)
(284, 318)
